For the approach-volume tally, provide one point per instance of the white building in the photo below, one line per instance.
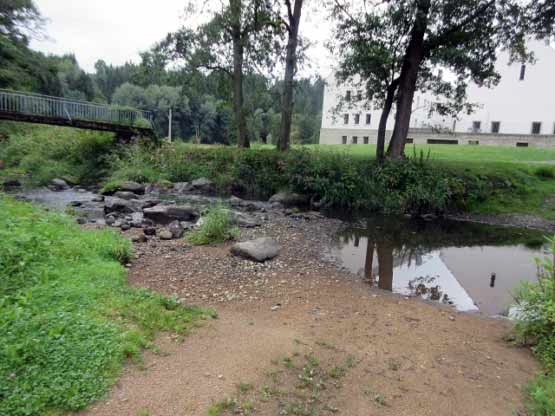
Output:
(519, 111)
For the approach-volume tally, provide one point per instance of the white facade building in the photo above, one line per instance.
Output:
(519, 111)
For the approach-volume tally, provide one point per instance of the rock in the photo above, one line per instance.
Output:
(131, 186)
(110, 220)
(125, 195)
(98, 198)
(186, 225)
(136, 223)
(81, 220)
(141, 238)
(58, 184)
(11, 183)
(76, 203)
(182, 187)
(176, 229)
(158, 187)
(260, 249)
(70, 180)
(112, 204)
(125, 226)
(164, 214)
(289, 199)
(149, 231)
(243, 220)
(166, 235)
(203, 185)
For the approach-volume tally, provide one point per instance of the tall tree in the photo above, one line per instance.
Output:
(462, 36)
(235, 41)
(292, 24)
(19, 19)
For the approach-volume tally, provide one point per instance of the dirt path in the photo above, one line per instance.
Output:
(378, 353)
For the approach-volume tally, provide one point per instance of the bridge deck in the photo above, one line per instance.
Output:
(44, 109)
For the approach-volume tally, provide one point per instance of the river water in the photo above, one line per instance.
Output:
(473, 267)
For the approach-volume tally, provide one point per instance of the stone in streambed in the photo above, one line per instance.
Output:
(260, 249)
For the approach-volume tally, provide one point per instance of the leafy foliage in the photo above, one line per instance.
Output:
(67, 317)
(216, 227)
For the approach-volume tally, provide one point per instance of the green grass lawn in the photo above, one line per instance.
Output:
(68, 318)
(452, 153)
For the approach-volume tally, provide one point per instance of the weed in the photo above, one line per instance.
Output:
(545, 172)
(244, 387)
(215, 228)
(219, 408)
(379, 398)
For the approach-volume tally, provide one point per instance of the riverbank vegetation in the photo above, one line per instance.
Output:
(536, 327)
(435, 179)
(67, 317)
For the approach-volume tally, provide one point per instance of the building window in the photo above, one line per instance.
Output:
(365, 139)
(476, 126)
(522, 72)
(357, 118)
(348, 95)
(368, 118)
(355, 139)
(536, 127)
(495, 126)
(346, 119)
(344, 140)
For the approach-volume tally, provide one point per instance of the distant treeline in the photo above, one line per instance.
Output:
(201, 103)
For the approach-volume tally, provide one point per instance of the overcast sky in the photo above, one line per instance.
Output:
(117, 30)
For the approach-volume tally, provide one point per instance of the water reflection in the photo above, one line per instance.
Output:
(471, 266)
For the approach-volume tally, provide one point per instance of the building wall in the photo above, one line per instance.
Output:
(334, 136)
(514, 103)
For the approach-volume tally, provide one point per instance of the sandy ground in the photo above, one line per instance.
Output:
(411, 358)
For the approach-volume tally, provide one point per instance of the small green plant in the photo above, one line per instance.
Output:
(545, 172)
(216, 227)
(244, 387)
(219, 408)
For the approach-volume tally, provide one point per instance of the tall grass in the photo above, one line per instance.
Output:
(67, 317)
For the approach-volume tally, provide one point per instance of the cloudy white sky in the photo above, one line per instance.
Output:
(117, 30)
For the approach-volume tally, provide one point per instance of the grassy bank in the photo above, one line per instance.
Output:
(67, 317)
(437, 178)
(356, 182)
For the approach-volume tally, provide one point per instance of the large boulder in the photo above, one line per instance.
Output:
(58, 184)
(203, 185)
(112, 204)
(11, 184)
(125, 195)
(130, 186)
(164, 214)
(289, 199)
(260, 249)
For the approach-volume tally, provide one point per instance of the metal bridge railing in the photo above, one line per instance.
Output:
(61, 108)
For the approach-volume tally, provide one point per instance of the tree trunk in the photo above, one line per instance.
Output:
(238, 56)
(407, 81)
(369, 262)
(290, 68)
(390, 96)
(385, 265)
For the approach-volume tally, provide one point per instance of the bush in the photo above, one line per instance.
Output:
(545, 172)
(536, 327)
(67, 317)
(49, 152)
(216, 227)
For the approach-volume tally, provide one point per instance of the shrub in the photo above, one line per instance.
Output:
(536, 327)
(216, 227)
(545, 172)
(67, 317)
(51, 152)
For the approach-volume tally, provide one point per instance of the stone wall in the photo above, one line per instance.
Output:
(334, 136)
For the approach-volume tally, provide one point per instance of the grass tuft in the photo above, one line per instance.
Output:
(216, 227)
